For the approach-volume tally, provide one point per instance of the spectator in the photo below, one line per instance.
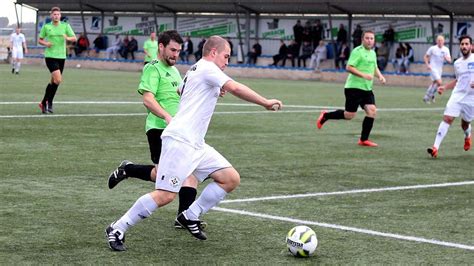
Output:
(306, 52)
(254, 53)
(123, 51)
(82, 44)
(399, 58)
(282, 53)
(389, 37)
(382, 56)
(306, 35)
(298, 32)
(198, 53)
(317, 32)
(293, 52)
(342, 56)
(114, 48)
(187, 50)
(132, 47)
(341, 36)
(70, 47)
(99, 44)
(231, 46)
(357, 36)
(409, 57)
(319, 54)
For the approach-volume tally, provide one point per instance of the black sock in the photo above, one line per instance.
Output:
(54, 88)
(47, 94)
(366, 128)
(142, 172)
(187, 195)
(338, 114)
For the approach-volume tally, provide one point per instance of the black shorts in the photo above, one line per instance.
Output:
(356, 98)
(154, 141)
(54, 64)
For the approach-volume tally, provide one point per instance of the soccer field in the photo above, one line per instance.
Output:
(387, 205)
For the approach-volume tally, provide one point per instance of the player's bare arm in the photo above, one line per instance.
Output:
(426, 58)
(154, 107)
(70, 39)
(44, 42)
(247, 94)
(356, 72)
(380, 76)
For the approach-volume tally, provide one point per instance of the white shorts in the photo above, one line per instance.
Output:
(435, 74)
(179, 160)
(17, 53)
(456, 109)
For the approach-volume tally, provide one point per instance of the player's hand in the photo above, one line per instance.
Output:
(48, 44)
(429, 67)
(273, 105)
(382, 79)
(441, 90)
(168, 119)
(222, 93)
(368, 77)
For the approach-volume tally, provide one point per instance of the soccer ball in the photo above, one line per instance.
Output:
(78, 66)
(301, 241)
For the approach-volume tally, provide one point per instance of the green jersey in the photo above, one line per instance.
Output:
(55, 35)
(366, 62)
(151, 48)
(161, 80)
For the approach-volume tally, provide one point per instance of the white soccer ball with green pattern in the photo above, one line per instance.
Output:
(301, 241)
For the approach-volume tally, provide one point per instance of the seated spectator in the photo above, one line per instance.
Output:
(282, 53)
(306, 52)
(115, 47)
(132, 47)
(399, 58)
(342, 56)
(382, 56)
(254, 53)
(82, 44)
(123, 51)
(70, 46)
(99, 44)
(187, 50)
(319, 54)
(409, 57)
(293, 52)
(198, 53)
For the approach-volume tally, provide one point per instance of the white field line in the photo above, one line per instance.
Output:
(355, 191)
(347, 228)
(318, 107)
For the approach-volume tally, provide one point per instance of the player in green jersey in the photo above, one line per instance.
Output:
(362, 66)
(150, 48)
(158, 85)
(54, 35)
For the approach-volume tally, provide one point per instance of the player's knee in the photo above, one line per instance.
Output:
(349, 115)
(162, 197)
(57, 81)
(232, 180)
(448, 119)
(191, 181)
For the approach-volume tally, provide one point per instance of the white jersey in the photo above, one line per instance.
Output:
(199, 93)
(437, 56)
(17, 40)
(464, 70)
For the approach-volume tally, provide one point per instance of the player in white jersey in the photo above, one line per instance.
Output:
(17, 44)
(461, 102)
(434, 59)
(184, 151)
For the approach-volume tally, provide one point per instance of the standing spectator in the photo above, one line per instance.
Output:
(306, 52)
(132, 48)
(306, 35)
(342, 56)
(320, 54)
(317, 33)
(341, 36)
(298, 32)
(123, 47)
(382, 56)
(115, 47)
(150, 48)
(254, 53)
(99, 44)
(357, 36)
(389, 37)
(293, 52)
(187, 50)
(409, 57)
(282, 53)
(231, 46)
(198, 53)
(82, 44)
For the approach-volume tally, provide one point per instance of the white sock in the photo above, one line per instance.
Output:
(442, 131)
(432, 90)
(467, 132)
(210, 197)
(17, 66)
(13, 64)
(142, 209)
